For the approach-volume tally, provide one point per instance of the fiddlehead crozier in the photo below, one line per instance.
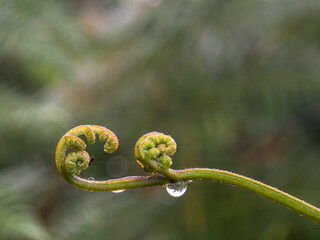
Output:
(153, 152)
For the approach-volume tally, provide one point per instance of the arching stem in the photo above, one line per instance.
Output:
(153, 152)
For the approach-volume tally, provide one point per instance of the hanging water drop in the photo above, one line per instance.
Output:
(91, 178)
(177, 189)
(118, 191)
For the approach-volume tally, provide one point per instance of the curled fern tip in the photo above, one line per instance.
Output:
(153, 152)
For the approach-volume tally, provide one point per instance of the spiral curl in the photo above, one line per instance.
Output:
(78, 159)
(153, 152)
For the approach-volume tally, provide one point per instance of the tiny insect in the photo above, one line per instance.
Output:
(91, 160)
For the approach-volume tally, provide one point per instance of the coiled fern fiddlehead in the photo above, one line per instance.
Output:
(153, 152)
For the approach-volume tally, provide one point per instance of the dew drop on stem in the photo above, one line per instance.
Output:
(177, 189)
(118, 191)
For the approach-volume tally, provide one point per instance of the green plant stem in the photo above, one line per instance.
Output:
(237, 180)
(254, 186)
(152, 152)
(118, 184)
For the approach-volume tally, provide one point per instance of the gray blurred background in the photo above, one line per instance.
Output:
(235, 83)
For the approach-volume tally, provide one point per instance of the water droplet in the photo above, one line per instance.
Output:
(91, 178)
(118, 191)
(177, 189)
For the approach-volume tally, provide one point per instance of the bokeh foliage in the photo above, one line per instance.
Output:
(235, 83)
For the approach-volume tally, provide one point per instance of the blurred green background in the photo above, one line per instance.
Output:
(235, 83)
